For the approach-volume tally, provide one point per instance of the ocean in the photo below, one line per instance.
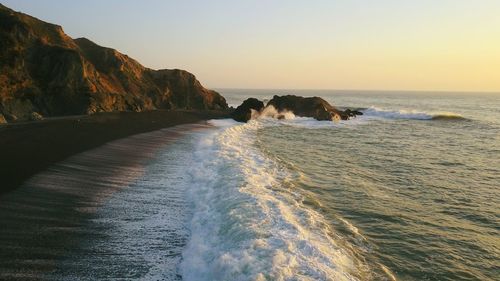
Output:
(408, 191)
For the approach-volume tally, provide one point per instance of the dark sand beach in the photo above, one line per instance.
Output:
(28, 148)
(46, 205)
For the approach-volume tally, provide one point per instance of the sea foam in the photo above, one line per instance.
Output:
(409, 114)
(247, 224)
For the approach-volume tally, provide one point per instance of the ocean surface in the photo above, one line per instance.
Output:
(408, 191)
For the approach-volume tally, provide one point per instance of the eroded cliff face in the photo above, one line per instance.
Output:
(44, 71)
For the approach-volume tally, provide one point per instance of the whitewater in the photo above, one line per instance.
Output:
(249, 223)
(408, 191)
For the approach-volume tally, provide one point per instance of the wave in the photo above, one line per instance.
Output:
(270, 116)
(410, 114)
(446, 116)
(248, 222)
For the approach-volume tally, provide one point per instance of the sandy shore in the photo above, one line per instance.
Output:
(45, 220)
(29, 148)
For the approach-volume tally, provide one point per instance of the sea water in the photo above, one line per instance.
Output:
(408, 191)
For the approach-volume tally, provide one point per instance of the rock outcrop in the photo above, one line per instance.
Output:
(314, 107)
(44, 71)
(280, 106)
(352, 112)
(243, 113)
(35, 116)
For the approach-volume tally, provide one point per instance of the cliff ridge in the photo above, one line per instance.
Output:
(44, 72)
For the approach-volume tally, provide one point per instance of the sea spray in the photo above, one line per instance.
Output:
(271, 112)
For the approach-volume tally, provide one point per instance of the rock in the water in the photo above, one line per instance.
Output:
(279, 106)
(44, 70)
(352, 112)
(243, 113)
(2, 119)
(314, 107)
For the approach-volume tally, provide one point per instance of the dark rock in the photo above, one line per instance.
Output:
(44, 70)
(35, 116)
(314, 107)
(10, 117)
(352, 112)
(243, 113)
(278, 106)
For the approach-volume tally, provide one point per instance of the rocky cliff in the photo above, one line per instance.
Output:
(44, 72)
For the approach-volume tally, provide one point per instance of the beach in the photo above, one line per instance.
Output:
(45, 217)
(30, 147)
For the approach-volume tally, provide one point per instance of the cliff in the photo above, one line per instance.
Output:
(44, 72)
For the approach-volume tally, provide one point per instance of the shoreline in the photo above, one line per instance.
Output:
(29, 148)
(46, 222)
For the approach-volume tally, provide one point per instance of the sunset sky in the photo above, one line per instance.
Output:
(449, 45)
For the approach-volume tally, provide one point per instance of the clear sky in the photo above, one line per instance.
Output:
(316, 44)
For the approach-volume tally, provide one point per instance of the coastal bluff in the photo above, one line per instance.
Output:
(45, 73)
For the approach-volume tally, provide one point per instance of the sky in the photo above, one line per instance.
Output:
(438, 45)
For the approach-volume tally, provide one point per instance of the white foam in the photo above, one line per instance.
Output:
(407, 114)
(223, 123)
(271, 112)
(388, 272)
(246, 225)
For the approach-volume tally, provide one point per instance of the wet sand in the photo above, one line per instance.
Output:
(29, 148)
(45, 220)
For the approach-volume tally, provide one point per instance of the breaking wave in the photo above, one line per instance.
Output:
(248, 221)
(410, 114)
(271, 112)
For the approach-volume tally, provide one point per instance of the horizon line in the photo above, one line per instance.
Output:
(363, 90)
